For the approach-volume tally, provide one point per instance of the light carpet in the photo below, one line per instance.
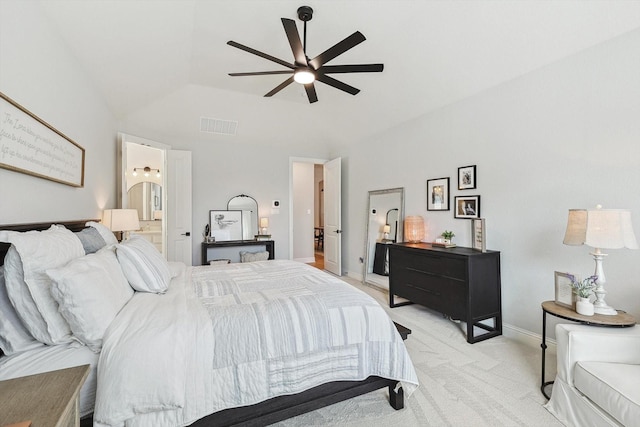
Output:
(490, 383)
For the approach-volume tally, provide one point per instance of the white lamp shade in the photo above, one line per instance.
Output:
(121, 219)
(264, 222)
(386, 228)
(600, 228)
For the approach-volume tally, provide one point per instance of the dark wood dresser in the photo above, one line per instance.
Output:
(459, 282)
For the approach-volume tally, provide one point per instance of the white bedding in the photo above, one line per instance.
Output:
(238, 334)
(51, 358)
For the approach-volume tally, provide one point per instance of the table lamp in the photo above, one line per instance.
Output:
(124, 220)
(264, 224)
(600, 229)
(414, 229)
(386, 229)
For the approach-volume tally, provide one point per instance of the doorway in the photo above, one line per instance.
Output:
(309, 210)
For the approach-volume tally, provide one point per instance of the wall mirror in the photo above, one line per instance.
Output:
(385, 216)
(249, 208)
(146, 197)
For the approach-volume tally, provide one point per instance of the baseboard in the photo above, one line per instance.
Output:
(528, 338)
(305, 260)
(354, 276)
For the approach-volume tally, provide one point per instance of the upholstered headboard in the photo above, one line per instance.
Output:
(76, 225)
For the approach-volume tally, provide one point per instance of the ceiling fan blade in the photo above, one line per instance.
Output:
(261, 54)
(337, 49)
(337, 84)
(294, 41)
(311, 93)
(280, 87)
(360, 68)
(260, 73)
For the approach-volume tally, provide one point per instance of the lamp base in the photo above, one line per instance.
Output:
(606, 310)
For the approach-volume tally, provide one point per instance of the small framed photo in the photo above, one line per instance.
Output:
(478, 235)
(467, 207)
(467, 177)
(564, 291)
(438, 194)
(225, 225)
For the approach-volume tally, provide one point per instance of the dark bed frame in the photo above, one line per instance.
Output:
(272, 410)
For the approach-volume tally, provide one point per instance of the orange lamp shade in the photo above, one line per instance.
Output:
(413, 229)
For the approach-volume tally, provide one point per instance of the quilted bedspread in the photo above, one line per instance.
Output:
(238, 334)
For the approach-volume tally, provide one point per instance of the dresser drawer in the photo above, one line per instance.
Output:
(453, 267)
(439, 293)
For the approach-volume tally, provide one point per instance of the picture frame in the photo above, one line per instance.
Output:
(467, 207)
(478, 235)
(32, 146)
(225, 225)
(564, 292)
(438, 194)
(467, 177)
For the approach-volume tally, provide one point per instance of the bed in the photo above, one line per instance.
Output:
(239, 344)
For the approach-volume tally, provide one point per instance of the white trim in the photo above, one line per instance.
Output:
(293, 160)
(305, 260)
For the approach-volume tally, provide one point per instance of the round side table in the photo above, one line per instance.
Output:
(620, 320)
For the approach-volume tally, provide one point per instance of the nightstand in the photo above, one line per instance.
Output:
(47, 399)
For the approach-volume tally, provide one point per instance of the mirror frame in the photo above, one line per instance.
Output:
(255, 221)
(399, 231)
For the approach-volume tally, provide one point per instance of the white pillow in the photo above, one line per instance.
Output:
(143, 266)
(40, 251)
(90, 292)
(107, 235)
(14, 337)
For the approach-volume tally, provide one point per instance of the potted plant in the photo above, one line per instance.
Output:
(583, 290)
(447, 235)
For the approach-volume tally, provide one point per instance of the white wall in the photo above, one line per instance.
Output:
(38, 72)
(303, 202)
(565, 136)
(224, 169)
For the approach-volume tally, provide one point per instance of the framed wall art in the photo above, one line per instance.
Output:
(467, 177)
(225, 225)
(478, 235)
(438, 194)
(30, 145)
(564, 291)
(467, 207)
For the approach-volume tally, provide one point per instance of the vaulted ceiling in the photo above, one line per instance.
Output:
(161, 65)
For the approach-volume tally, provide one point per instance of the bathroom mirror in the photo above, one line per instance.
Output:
(249, 208)
(146, 197)
(385, 208)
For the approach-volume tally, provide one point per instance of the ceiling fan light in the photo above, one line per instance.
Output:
(304, 76)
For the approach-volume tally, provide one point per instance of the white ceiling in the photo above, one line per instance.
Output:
(161, 65)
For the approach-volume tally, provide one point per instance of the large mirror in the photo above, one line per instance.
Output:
(385, 216)
(146, 197)
(249, 208)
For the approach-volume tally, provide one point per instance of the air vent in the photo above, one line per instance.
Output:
(218, 126)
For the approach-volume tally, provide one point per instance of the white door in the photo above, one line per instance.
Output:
(178, 211)
(333, 216)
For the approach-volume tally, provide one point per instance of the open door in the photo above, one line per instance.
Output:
(333, 216)
(178, 213)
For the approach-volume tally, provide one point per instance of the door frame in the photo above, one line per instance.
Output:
(292, 160)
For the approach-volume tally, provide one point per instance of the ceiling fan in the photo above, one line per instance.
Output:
(304, 70)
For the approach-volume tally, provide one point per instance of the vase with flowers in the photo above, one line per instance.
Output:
(583, 290)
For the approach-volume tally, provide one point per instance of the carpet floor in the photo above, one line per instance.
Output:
(491, 383)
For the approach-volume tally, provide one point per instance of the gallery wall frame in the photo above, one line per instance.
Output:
(32, 146)
(467, 207)
(467, 177)
(225, 225)
(438, 194)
